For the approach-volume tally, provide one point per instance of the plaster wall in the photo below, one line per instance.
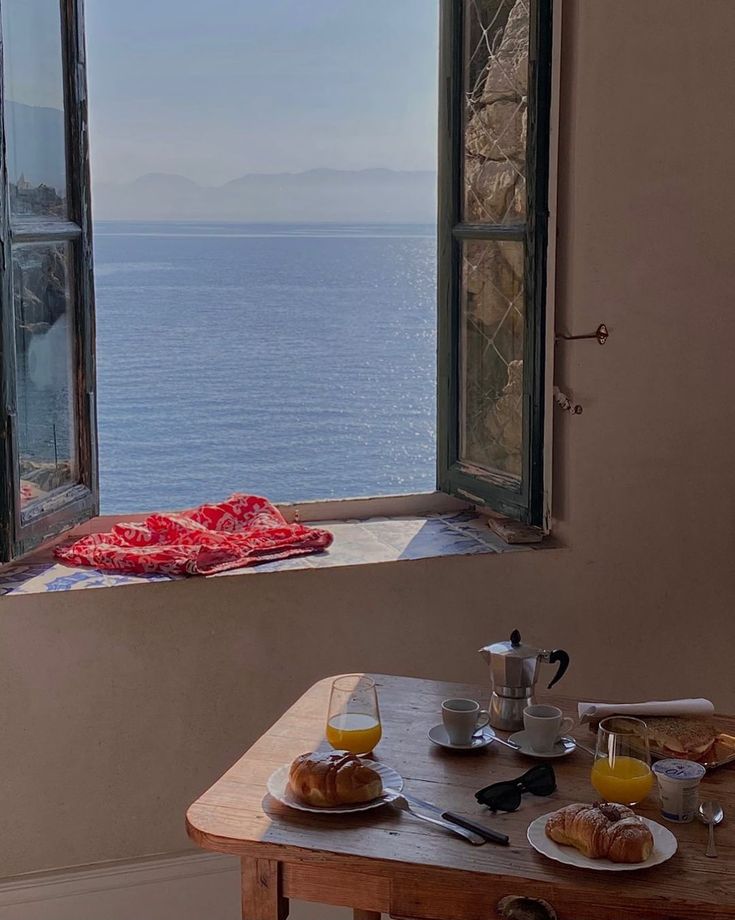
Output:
(118, 706)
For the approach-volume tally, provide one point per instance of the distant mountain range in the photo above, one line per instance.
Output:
(372, 195)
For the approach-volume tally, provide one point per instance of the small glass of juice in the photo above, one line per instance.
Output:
(353, 720)
(621, 772)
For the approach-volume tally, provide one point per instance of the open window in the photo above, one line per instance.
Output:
(48, 474)
(495, 81)
(494, 126)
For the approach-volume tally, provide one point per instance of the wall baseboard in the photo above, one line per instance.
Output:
(179, 886)
(154, 870)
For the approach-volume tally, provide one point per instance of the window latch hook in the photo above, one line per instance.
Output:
(602, 334)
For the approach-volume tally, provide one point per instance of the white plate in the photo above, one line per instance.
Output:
(438, 734)
(561, 748)
(279, 788)
(664, 847)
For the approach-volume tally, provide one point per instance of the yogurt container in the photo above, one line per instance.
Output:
(678, 788)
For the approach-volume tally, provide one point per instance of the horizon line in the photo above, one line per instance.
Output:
(298, 172)
(264, 223)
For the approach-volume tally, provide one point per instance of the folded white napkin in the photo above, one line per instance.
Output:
(697, 708)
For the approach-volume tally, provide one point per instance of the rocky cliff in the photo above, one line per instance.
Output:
(495, 192)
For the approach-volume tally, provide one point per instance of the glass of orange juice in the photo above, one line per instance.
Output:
(353, 720)
(621, 772)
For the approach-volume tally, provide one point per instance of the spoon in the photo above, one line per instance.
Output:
(711, 813)
(569, 740)
(508, 743)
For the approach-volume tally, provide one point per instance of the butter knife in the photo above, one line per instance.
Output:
(485, 832)
(400, 802)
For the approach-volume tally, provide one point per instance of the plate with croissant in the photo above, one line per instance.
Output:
(334, 781)
(601, 836)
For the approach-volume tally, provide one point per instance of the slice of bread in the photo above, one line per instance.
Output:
(690, 739)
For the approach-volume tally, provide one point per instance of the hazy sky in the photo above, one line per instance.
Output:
(216, 89)
(33, 67)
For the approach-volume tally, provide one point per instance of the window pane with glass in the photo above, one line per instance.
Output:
(47, 321)
(34, 107)
(44, 350)
(492, 316)
(496, 63)
(495, 112)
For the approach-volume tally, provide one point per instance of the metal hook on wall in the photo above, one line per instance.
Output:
(602, 334)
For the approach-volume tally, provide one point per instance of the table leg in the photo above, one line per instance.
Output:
(365, 915)
(261, 890)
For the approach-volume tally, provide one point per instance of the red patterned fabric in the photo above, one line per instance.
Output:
(212, 538)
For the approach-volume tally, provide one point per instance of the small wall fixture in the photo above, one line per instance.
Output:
(602, 334)
(565, 403)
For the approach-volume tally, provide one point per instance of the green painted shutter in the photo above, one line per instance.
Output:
(494, 107)
(48, 456)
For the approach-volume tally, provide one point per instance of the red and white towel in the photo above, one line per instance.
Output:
(241, 531)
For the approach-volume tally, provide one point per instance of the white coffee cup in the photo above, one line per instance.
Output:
(462, 718)
(544, 726)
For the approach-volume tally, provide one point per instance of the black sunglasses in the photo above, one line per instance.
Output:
(506, 796)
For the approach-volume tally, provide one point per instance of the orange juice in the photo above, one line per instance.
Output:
(626, 780)
(357, 732)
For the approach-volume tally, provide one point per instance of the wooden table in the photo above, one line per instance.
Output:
(389, 862)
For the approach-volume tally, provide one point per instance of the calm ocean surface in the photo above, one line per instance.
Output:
(294, 361)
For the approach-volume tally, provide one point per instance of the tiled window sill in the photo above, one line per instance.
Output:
(356, 542)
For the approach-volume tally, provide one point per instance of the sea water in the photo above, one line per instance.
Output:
(292, 361)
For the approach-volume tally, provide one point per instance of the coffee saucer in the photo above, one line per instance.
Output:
(481, 739)
(562, 747)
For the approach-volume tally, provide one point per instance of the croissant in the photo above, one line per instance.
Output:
(602, 831)
(333, 778)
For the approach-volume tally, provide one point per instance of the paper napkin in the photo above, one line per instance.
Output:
(696, 708)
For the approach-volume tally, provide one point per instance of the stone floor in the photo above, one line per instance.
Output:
(355, 543)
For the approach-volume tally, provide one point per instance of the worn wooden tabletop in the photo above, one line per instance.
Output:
(384, 860)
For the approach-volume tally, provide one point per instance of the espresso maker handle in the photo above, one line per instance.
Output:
(561, 656)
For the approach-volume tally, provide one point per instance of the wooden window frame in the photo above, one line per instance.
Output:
(527, 502)
(67, 506)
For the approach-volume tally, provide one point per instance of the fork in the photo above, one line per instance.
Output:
(399, 802)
